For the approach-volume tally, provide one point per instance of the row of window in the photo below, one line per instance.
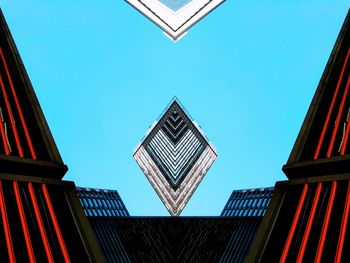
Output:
(98, 202)
(248, 202)
(248, 212)
(107, 213)
(102, 203)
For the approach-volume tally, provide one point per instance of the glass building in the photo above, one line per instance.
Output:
(101, 202)
(248, 202)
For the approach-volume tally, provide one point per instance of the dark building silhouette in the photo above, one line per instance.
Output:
(182, 239)
(41, 218)
(122, 238)
(322, 146)
(174, 239)
(308, 216)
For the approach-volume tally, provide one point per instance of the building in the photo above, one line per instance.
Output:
(308, 215)
(41, 218)
(101, 202)
(175, 17)
(122, 238)
(175, 155)
(248, 202)
(44, 218)
(302, 219)
(175, 239)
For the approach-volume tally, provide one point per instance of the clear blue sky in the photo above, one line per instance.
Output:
(246, 73)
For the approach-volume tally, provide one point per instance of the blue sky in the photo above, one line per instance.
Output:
(246, 73)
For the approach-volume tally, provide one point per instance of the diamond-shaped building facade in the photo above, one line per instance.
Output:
(175, 155)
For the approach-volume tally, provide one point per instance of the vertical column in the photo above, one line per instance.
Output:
(347, 130)
(294, 224)
(326, 223)
(325, 126)
(56, 225)
(18, 106)
(343, 227)
(12, 119)
(40, 223)
(4, 136)
(309, 224)
(6, 224)
(24, 223)
(337, 120)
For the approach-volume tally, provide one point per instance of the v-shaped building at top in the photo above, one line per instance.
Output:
(175, 17)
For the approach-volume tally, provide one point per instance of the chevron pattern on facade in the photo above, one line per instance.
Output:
(175, 156)
(174, 146)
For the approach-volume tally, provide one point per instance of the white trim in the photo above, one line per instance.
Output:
(175, 23)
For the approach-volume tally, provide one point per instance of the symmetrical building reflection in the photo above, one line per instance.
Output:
(47, 219)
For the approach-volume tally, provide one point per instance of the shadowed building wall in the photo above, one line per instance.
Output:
(41, 219)
(174, 239)
(308, 217)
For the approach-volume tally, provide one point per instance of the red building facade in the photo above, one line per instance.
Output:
(41, 217)
(308, 217)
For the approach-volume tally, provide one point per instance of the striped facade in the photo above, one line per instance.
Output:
(308, 215)
(41, 218)
(175, 157)
(40, 222)
(308, 222)
(26, 143)
(101, 202)
(322, 146)
(248, 202)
